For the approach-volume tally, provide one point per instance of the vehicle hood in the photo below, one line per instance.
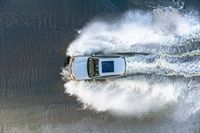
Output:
(79, 68)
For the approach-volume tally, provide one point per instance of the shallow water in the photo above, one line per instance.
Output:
(33, 38)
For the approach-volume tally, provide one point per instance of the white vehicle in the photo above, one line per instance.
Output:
(94, 67)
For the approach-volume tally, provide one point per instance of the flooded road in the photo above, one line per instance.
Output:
(34, 36)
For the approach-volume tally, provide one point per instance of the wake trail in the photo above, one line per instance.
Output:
(162, 52)
(180, 45)
(186, 66)
(164, 31)
(139, 95)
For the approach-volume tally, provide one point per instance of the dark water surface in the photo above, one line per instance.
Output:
(34, 35)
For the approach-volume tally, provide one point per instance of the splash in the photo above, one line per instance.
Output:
(187, 65)
(124, 96)
(161, 31)
(165, 78)
(138, 95)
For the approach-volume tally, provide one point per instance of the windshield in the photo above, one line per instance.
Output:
(93, 67)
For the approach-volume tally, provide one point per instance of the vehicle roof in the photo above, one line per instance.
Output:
(111, 66)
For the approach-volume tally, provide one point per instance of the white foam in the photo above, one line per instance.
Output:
(155, 64)
(123, 96)
(139, 95)
(162, 26)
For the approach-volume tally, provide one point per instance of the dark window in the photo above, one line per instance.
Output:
(107, 66)
(93, 67)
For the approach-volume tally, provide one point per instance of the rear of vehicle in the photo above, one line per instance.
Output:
(107, 67)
